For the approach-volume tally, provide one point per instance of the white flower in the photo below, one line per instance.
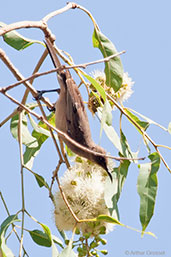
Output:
(98, 74)
(83, 186)
(126, 89)
(121, 95)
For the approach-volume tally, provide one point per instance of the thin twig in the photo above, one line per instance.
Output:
(57, 12)
(8, 118)
(31, 79)
(83, 65)
(19, 76)
(53, 179)
(22, 180)
(63, 152)
(89, 14)
(51, 132)
(34, 219)
(27, 89)
(106, 59)
(6, 208)
(4, 203)
(164, 146)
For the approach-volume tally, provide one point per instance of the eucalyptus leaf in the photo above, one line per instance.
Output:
(69, 152)
(38, 128)
(106, 116)
(97, 86)
(110, 195)
(126, 150)
(147, 185)
(16, 40)
(110, 133)
(57, 241)
(113, 190)
(46, 230)
(143, 124)
(150, 121)
(30, 153)
(3, 228)
(113, 68)
(4, 250)
(41, 181)
(7, 222)
(40, 133)
(108, 219)
(55, 252)
(27, 138)
(63, 235)
(42, 237)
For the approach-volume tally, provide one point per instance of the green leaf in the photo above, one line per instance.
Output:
(110, 133)
(40, 237)
(46, 230)
(57, 241)
(126, 150)
(113, 68)
(55, 252)
(108, 219)
(41, 127)
(106, 116)
(143, 124)
(27, 138)
(41, 181)
(147, 188)
(147, 119)
(30, 153)
(40, 133)
(7, 222)
(16, 40)
(4, 250)
(97, 86)
(38, 128)
(113, 190)
(63, 235)
(69, 152)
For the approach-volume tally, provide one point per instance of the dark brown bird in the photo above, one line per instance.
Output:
(71, 116)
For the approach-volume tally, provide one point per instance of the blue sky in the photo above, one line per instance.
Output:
(142, 28)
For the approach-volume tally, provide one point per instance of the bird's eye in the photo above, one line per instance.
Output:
(101, 158)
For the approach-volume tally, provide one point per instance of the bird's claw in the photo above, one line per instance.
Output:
(39, 95)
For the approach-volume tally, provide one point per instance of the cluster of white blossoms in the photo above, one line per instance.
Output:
(83, 185)
(120, 96)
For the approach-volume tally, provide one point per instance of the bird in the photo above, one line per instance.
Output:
(71, 117)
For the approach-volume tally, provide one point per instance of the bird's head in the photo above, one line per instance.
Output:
(101, 160)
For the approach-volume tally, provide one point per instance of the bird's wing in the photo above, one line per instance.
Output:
(77, 120)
